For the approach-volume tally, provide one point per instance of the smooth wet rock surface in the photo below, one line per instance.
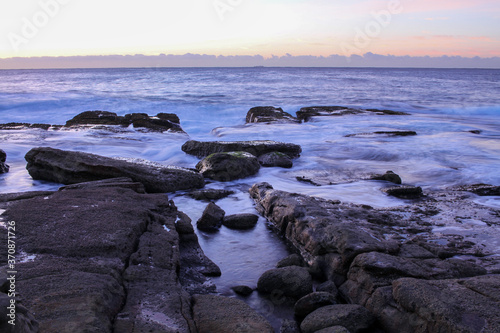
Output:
(353, 317)
(276, 159)
(228, 166)
(292, 281)
(257, 148)
(268, 114)
(211, 219)
(240, 221)
(70, 167)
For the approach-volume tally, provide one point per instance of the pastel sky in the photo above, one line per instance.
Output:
(464, 28)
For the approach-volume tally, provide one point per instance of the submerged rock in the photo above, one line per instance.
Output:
(228, 166)
(275, 159)
(307, 113)
(70, 167)
(243, 290)
(3, 166)
(211, 219)
(384, 133)
(404, 192)
(257, 148)
(267, 114)
(210, 194)
(227, 315)
(240, 221)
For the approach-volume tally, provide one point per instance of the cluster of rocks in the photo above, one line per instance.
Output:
(389, 277)
(162, 122)
(214, 217)
(271, 114)
(230, 160)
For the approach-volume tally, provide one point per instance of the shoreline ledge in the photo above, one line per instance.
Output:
(389, 261)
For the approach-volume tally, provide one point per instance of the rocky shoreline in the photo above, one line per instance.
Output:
(109, 252)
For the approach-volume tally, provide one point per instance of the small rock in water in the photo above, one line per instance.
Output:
(209, 195)
(211, 219)
(404, 192)
(228, 166)
(243, 290)
(275, 159)
(267, 114)
(240, 221)
(388, 176)
(3, 157)
(292, 281)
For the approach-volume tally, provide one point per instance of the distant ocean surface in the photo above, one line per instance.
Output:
(445, 104)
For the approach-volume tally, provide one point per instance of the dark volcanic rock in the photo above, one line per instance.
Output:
(404, 192)
(227, 315)
(228, 166)
(69, 167)
(3, 157)
(211, 219)
(459, 305)
(267, 114)
(388, 176)
(292, 281)
(353, 317)
(386, 133)
(256, 148)
(240, 221)
(101, 259)
(481, 189)
(210, 194)
(275, 159)
(311, 302)
(243, 290)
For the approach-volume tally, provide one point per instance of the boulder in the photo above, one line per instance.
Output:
(268, 114)
(456, 305)
(84, 247)
(289, 326)
(210, 194)
(211, 219)
(3, 167)
(311, 302)
(404, 192)
(70, 167)
(257, 148)
(95, 118)
(354, 318)
(388, 176)
(275, 159)
(227, 315)
(292, 281)
(228, 166)
(291, 260)
(242, 290)
(123, 182)
(329, 287)
(240, 221)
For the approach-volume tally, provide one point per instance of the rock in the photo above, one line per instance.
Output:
(404, 192)
(292, 281)
(307, 113)
(289, 326)
(227, 315)
(388, 112)
(69, 167)
(329, 287)
(22, 126)
(24, 321)
(267, 114)
(370, 271)
(6, 197)
(481, 189)
(228, 166)
(3, 157)
(256, 148)
(388, 176)
(210, 194)
(161, 122)
(353, 317)
(123, 182)
(291, 260)
(334, 329)
(275, 159)
(457, 305)
(84, 247)
(240, 221)
(475, 131)
(243, 290)
(385, 133)
(311, 302)
(211, 219)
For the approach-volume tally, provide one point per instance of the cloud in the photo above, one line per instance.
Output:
(204, 60)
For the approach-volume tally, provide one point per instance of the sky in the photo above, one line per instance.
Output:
(320, 28)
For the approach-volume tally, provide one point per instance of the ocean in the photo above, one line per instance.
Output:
(445, 105)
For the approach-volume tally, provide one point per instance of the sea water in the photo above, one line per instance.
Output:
(444, 106)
